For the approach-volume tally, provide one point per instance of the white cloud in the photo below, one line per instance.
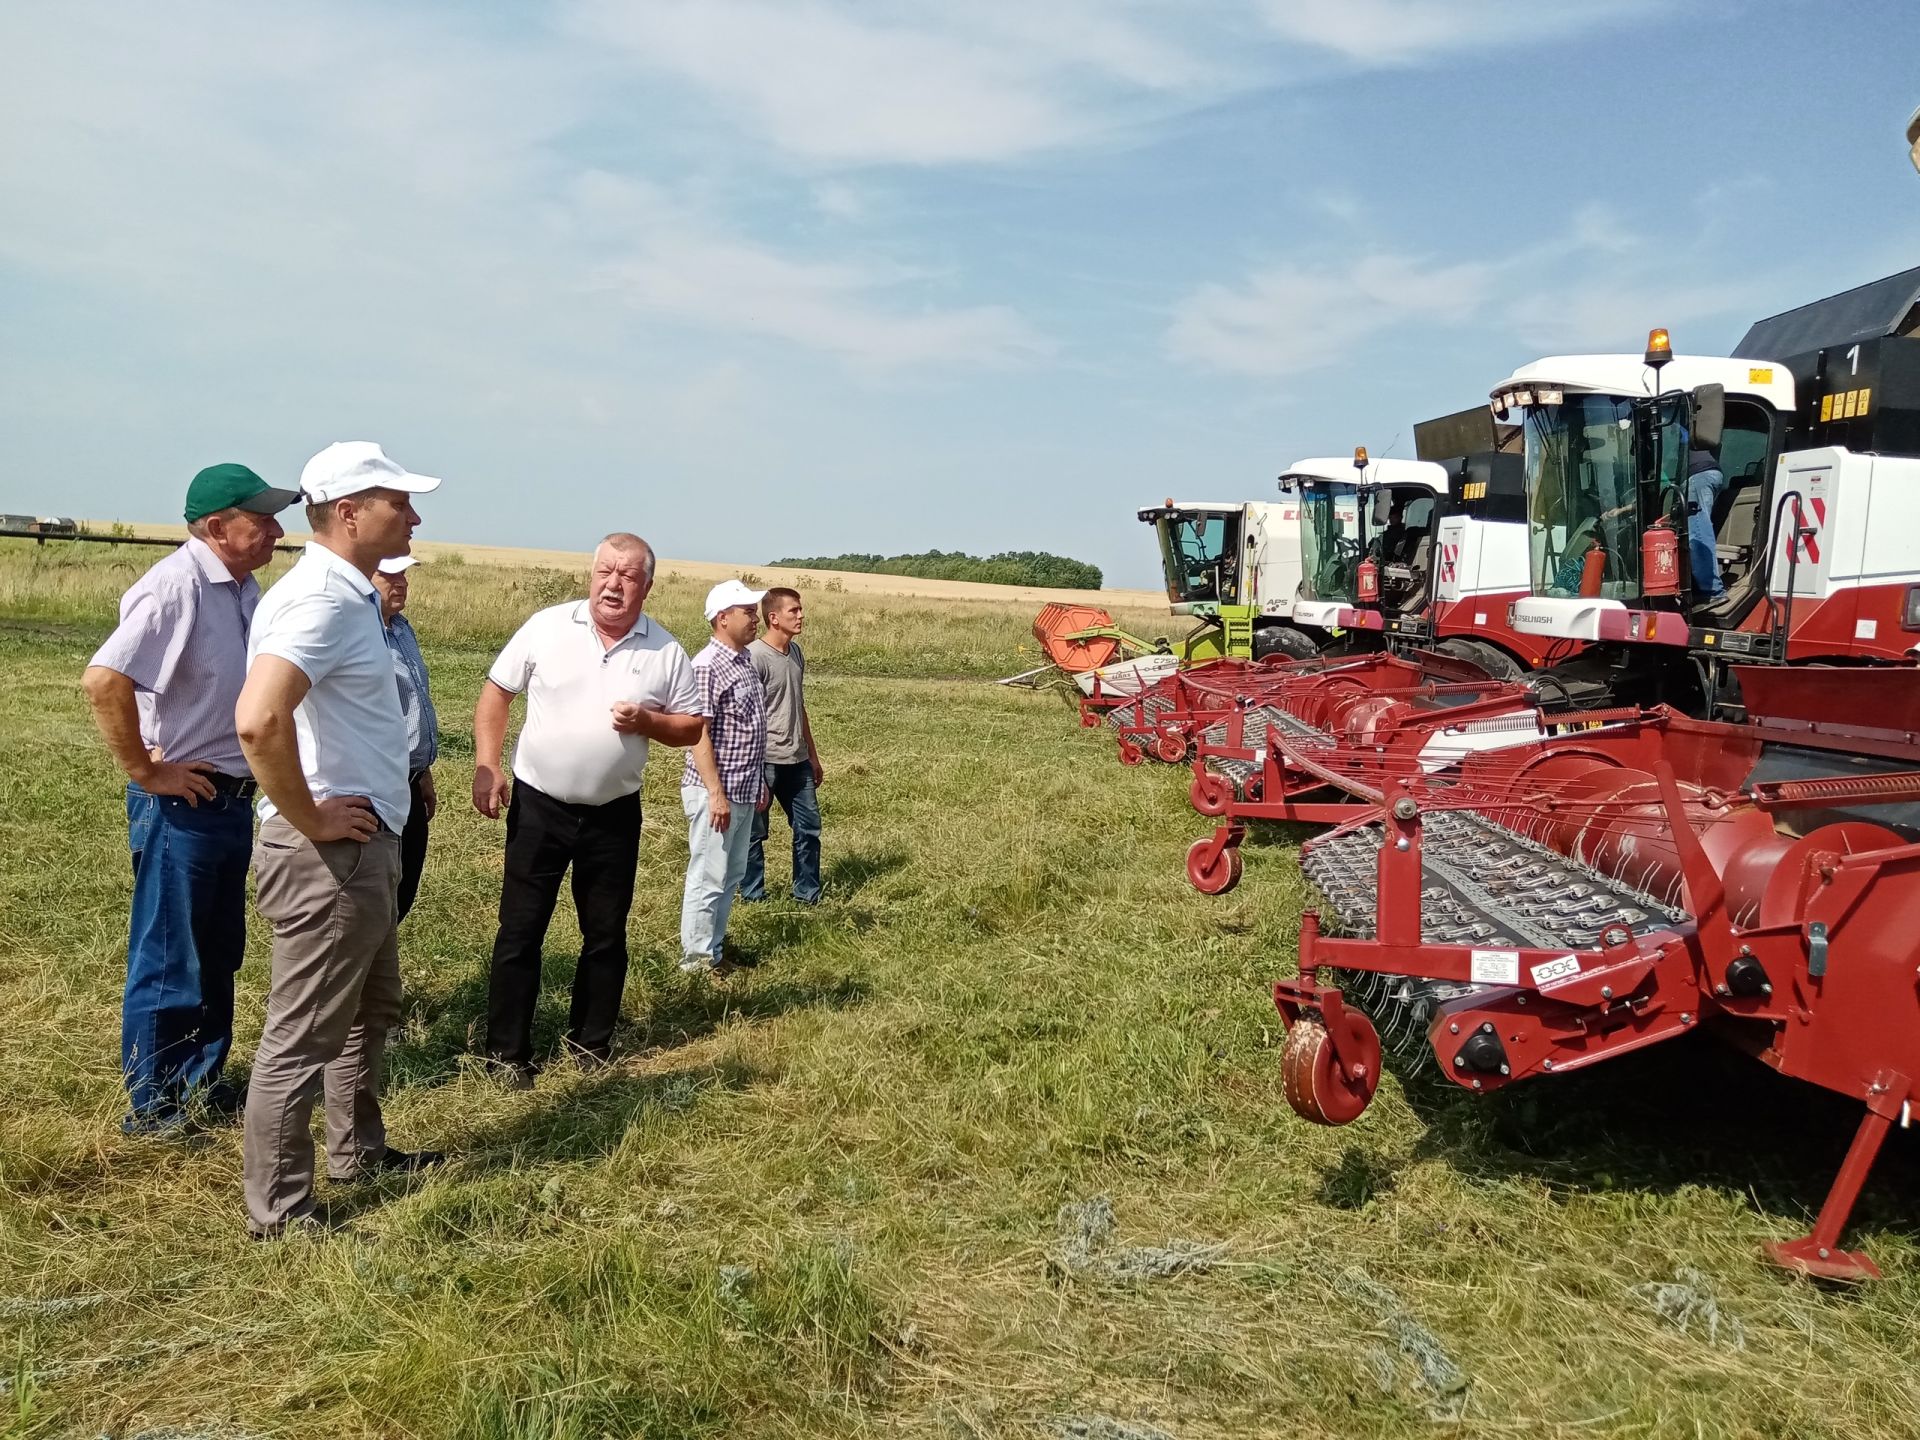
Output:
(823, 83)
(1398, 32)
(205, 168)
(670, 260)
(1596, 287)
(838, 200)
(1288, 318)
(840, 83)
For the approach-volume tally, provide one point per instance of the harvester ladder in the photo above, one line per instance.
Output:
(1239, 634)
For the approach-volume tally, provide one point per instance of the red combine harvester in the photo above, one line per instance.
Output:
(1552, 905)
(1555, 905)
(1440, 552)
(1691, 513)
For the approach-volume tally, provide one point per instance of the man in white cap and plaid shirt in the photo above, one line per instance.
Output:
(724, 781)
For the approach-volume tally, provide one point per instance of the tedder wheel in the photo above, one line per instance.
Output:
(1325, 1085)
(1283, 642)
(1213, 873)
(1210, 794)
(1496, 662)
(1130, 753)
(1170, 747)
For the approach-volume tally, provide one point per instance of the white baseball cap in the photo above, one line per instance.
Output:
(398, 564)
(347, 467)
(729, 593)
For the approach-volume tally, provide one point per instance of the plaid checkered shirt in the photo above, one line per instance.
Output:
(732, 699)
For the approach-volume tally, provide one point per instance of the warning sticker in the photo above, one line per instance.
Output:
(1760, 375)
(1865, 629)
(1495, 967)
(1549, 971)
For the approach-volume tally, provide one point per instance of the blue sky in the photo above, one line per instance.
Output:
(766, 278)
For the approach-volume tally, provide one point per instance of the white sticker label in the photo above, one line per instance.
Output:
(1865, 629)
(1479, 617)
(1549, 971)
(1495, 967)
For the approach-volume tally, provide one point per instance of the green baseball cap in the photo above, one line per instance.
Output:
(234, 487)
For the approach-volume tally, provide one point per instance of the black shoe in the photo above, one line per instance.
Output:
(511, 1075)
(295, 1227)
(224, 1103)
(391, 1162)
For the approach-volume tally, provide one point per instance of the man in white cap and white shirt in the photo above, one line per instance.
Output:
(724, 781)
(601, 681)
(423, 722)
(320, 722)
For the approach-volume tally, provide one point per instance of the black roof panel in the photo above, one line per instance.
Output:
(1865, 312)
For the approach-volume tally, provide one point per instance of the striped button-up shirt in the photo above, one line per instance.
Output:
(182, 640)
(735, 705)
(416, 700)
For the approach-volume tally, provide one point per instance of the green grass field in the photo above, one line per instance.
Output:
(848, 1193)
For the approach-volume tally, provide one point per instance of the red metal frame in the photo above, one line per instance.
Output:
(1830, 921)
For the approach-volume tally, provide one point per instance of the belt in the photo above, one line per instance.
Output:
(233, 785)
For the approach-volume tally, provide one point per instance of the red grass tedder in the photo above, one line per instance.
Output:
(1599, 890)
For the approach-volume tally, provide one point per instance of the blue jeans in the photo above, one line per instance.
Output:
(792, 787)
(185, 942)
(1703, 490)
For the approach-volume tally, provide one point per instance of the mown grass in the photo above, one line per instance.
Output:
(821, 1201)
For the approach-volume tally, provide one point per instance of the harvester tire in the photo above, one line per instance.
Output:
(1210, 794)
(1216, 873)
(1283, 642)
(1491, 658)
(1317, 1085)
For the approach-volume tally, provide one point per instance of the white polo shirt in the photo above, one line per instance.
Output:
(568, 748)
(324, 616)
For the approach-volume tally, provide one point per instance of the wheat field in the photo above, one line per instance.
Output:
(989, 1143)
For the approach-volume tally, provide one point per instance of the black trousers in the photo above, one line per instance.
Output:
(413, 846)
(544, 837)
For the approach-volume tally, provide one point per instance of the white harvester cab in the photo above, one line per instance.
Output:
(1333, 531)
(1218, 553)
(1607, 440)
(1808, 551)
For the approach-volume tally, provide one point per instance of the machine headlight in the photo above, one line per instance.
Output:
(1910, 612)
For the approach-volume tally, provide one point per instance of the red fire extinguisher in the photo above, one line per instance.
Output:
(1659, 559)
(1369, 579)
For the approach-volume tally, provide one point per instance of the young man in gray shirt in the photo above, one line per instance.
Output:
(793, 764)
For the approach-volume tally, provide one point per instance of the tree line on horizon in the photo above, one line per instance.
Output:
(1009, 567)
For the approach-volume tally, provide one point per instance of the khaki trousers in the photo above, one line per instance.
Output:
(335, 993)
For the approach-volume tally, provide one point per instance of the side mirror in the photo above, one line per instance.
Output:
(1709, 416)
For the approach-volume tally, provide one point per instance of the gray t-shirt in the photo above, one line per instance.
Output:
(782, 675)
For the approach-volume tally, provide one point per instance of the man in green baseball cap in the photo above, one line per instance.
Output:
(162, 689)
(234, 487)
